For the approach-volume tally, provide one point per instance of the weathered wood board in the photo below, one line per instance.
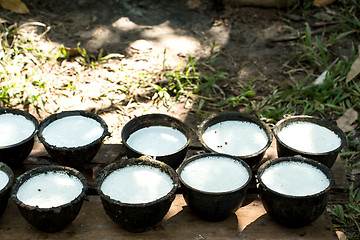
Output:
(249, 222)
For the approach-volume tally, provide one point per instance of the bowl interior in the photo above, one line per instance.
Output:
(281, 179)
(234, 116)
(154, 120)
(214, 174)
(65, 114)
(142, 161)
(287, 121)
(7, 170)
(28, 116)
(45, 170)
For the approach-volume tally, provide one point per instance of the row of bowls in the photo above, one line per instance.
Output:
(76, 157)
(283, 149)
(287, 209)
(14, 154)
(201, 202)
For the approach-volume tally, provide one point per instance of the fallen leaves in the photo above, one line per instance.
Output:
(345, 122)
(355, 68)
(15, 6)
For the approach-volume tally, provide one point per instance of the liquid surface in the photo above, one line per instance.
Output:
(295, 179)
(72, 131)
(157, 140)
(137, 184)
(309, 137)
(215, 174)
(14, 129)
(50, 189)
(237, 138)
(4, 179)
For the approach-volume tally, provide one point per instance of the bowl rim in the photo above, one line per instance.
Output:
(7, 170)
(143, 160)
(186, 132)
(56, 116)
(325, 170)
(28, 116)
(44, 169)
(235, 116)
(315, 120)
(213, 154)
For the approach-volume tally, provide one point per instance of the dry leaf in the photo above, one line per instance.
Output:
(355, 68)
(320, 80)
(319, 3)
(15, 5)
(72, 52)
(347, 119)
(192, 4)
(259, 3)
(341, 235)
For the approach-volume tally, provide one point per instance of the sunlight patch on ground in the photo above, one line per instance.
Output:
(158, 38)
(125, 24)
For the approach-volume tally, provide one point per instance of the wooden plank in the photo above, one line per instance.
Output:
(339, 193)
(249, 222)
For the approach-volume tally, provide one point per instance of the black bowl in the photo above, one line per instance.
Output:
(326, 158)
(5, 191)
(137, 217)
(149, 120)
(294, 211)
(251, 159)
(73, 156)
(13, 155)
(213, 206)
(52, 219)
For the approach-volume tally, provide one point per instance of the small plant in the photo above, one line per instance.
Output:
(188, 81)
(243, 98)
(347, 216)
(314, 50)
(161, 95)
(181, 81)
(85, 59)
(350, 15)
(20, 80)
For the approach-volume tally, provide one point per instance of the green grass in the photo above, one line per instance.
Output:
(26, 74)
(350, 15)
(347, 216)
(188, 82)
(21, 81)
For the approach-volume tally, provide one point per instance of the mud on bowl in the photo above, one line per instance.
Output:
(6, 182)
(18, 129)
(237, 134)
(73, 138)
(294, 190)
(137, 193)
(50, 197)
(214, 185)
(158, 135)
(309, 137)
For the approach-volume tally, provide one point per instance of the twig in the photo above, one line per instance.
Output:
(322, 24)
(292, 37)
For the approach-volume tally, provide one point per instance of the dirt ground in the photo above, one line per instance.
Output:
(250, 43)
